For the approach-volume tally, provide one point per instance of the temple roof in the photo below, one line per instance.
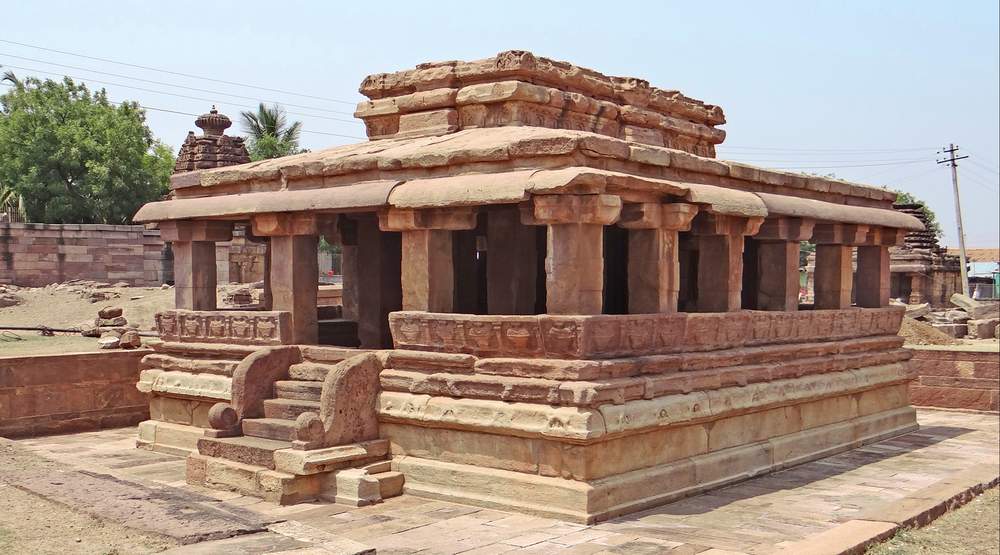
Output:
(498, 130)
(507, 165)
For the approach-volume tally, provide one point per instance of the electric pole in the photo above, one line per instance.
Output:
(952, 157)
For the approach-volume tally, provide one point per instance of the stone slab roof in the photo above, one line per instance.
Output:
(507, 165)
(496, 150)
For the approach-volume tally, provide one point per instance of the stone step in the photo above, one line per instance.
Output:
(378, 467)
(269, 428)
(309, 371)
(255, 451)
(298, 389)
(390, 484)
(288, 409)
(223, 367)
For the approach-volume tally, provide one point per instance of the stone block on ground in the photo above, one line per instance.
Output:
(954, 330)
(130, 340)
(109, 341)
(917, 310)
(109, 312)
(977, 310)
(983, 329)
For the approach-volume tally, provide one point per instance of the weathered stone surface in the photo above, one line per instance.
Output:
(976, 310)
(608, 336)
(233, 327)
(185, 516)
(110, 312)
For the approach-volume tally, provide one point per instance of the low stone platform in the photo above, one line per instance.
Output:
(838, 502)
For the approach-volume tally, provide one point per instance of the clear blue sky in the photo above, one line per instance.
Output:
(819, 86)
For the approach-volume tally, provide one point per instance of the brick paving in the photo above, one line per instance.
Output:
(756, 516)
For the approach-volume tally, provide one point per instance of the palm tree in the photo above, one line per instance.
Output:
(270, 125)
(9, 77)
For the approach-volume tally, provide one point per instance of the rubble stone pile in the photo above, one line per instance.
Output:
(112, 330)
(968, 318)
(8, 296)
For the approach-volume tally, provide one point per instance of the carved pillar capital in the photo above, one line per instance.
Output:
(196, 230)
(571, 209)
(840, 234)
(707, 223)
(654, 215)
(785, 229)
(445, 219)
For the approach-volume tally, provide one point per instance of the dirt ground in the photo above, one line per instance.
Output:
(32, 524)
(57, 307)
(971, 529)
(63, 306)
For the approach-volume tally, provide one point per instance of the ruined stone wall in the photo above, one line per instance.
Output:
(50, 394)
(35, 255)
(955, 378)
(246, 258)
(39, 254)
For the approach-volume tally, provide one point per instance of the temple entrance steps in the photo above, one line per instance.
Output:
(265, 463)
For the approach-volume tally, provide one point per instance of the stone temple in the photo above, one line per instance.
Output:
(556, 300)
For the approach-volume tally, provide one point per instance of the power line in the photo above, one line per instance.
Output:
(178, 95)
(756, 160)
(179, 112)
(951, 151)
(901, 163)
(254, 98)
(984, 166)
(844, 150)
(234, 83)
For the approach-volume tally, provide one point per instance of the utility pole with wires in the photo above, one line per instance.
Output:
(952, 157)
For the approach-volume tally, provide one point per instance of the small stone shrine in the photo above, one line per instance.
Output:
(922, 272)
(562, 303)
(212, 149)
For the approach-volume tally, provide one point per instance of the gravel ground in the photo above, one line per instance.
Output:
(32, 524)
(969, 530)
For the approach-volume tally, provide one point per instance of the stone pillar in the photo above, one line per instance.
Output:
(193, 244)
(653, 263)
(266, 297)
(873, 267)
(511, 263)
(574, 260)
(378, 281)
(834, 264)
(720, 260)
(349, 267)
(294, 269)
(427, 274)
(918, 286)
(778, 262)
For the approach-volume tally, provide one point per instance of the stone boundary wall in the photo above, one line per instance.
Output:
(74, 392)
(36, 255)
(955, 378)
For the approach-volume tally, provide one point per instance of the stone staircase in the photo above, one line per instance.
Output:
(254, 451)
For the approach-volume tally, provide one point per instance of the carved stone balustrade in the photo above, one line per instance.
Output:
(609, 336)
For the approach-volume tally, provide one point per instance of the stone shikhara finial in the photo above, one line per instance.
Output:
(213, 149)
(213, 123)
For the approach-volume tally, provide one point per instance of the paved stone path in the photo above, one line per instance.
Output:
(756, 516)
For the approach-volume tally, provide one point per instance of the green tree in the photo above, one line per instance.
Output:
(902, 197)
(269, 135)
(72, 156)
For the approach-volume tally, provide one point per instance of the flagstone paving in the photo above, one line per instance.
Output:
(755, 516)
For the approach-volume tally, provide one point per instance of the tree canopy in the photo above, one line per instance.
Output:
(902, 197)
(72, 156)
(269, 135)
